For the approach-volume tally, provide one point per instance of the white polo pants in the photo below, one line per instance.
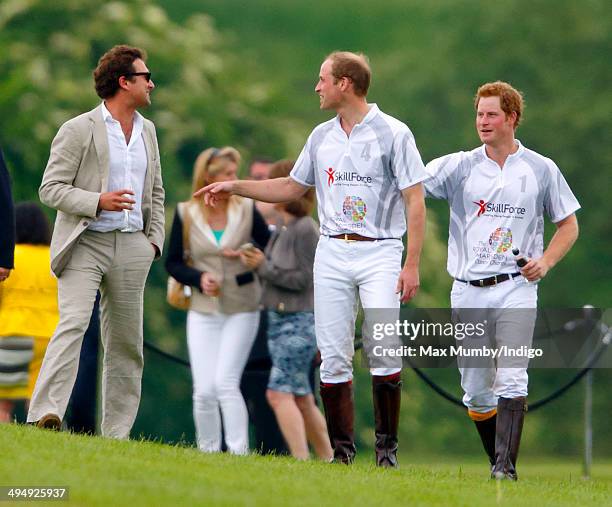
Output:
(342, 271)
(484, 384)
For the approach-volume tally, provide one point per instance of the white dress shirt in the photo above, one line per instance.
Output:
(127, 169)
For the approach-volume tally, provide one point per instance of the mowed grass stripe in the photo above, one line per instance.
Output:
(108, 472)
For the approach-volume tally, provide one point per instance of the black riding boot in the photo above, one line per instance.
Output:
(387, 397)
(486, 430)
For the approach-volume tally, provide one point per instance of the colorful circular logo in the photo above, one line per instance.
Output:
(501, 240)
(354, 208)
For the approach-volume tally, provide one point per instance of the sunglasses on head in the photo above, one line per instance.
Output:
(213, 155)
(147, 75)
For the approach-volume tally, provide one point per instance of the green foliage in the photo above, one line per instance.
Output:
(108, 472)
(46, 68)
(428, 58)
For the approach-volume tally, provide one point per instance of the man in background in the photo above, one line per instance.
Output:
(260, 170)
(7, 222)
(268, 437)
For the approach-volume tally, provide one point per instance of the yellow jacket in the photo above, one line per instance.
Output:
(28, 298)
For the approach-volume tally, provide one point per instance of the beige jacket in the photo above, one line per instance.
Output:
(76, 175)
(206, 256)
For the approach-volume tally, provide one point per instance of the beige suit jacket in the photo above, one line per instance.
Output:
(77, 174)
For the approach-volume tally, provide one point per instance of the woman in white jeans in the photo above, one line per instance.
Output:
(223, 316)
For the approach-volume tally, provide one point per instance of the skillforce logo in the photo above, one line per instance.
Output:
(482, 207)
(346, 177)
(499, 209)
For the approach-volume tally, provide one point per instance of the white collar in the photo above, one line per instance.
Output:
(108, 117)
(373, 111)
(517, 153)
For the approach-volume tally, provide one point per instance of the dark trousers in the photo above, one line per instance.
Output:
(267, 435)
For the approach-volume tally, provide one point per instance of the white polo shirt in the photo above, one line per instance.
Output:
(493, 210)
(127, 169)
(359, 178)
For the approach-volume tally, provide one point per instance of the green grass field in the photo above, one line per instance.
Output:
(115, 473)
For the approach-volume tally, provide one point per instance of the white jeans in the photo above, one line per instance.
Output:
(485, 384)
(342, 270)
(219, 347)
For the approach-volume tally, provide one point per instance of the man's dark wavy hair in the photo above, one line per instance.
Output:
(113, 64)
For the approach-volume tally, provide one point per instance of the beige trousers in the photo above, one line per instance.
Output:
(118, 264)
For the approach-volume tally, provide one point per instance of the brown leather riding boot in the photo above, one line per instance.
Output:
(339, 414)
(486, 429)
(510, 417)
(387, 397)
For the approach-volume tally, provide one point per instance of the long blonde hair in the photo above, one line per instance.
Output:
(208, 164)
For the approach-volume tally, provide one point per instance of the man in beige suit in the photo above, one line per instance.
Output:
(104, 179)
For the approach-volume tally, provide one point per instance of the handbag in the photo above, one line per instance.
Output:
(178, 295)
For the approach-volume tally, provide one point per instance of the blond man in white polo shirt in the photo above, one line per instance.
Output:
(367, 172)
(104, 179)
(498, 194)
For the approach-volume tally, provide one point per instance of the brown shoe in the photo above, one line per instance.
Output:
(387, 397)
(50, 422)
(338, 403)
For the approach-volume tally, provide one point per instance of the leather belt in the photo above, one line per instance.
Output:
(355, 237)
(492, 280)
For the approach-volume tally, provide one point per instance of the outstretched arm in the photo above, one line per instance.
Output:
(561, 242)
(274, 190)
(408, 283)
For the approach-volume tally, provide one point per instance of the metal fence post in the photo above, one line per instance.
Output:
(588, 425)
